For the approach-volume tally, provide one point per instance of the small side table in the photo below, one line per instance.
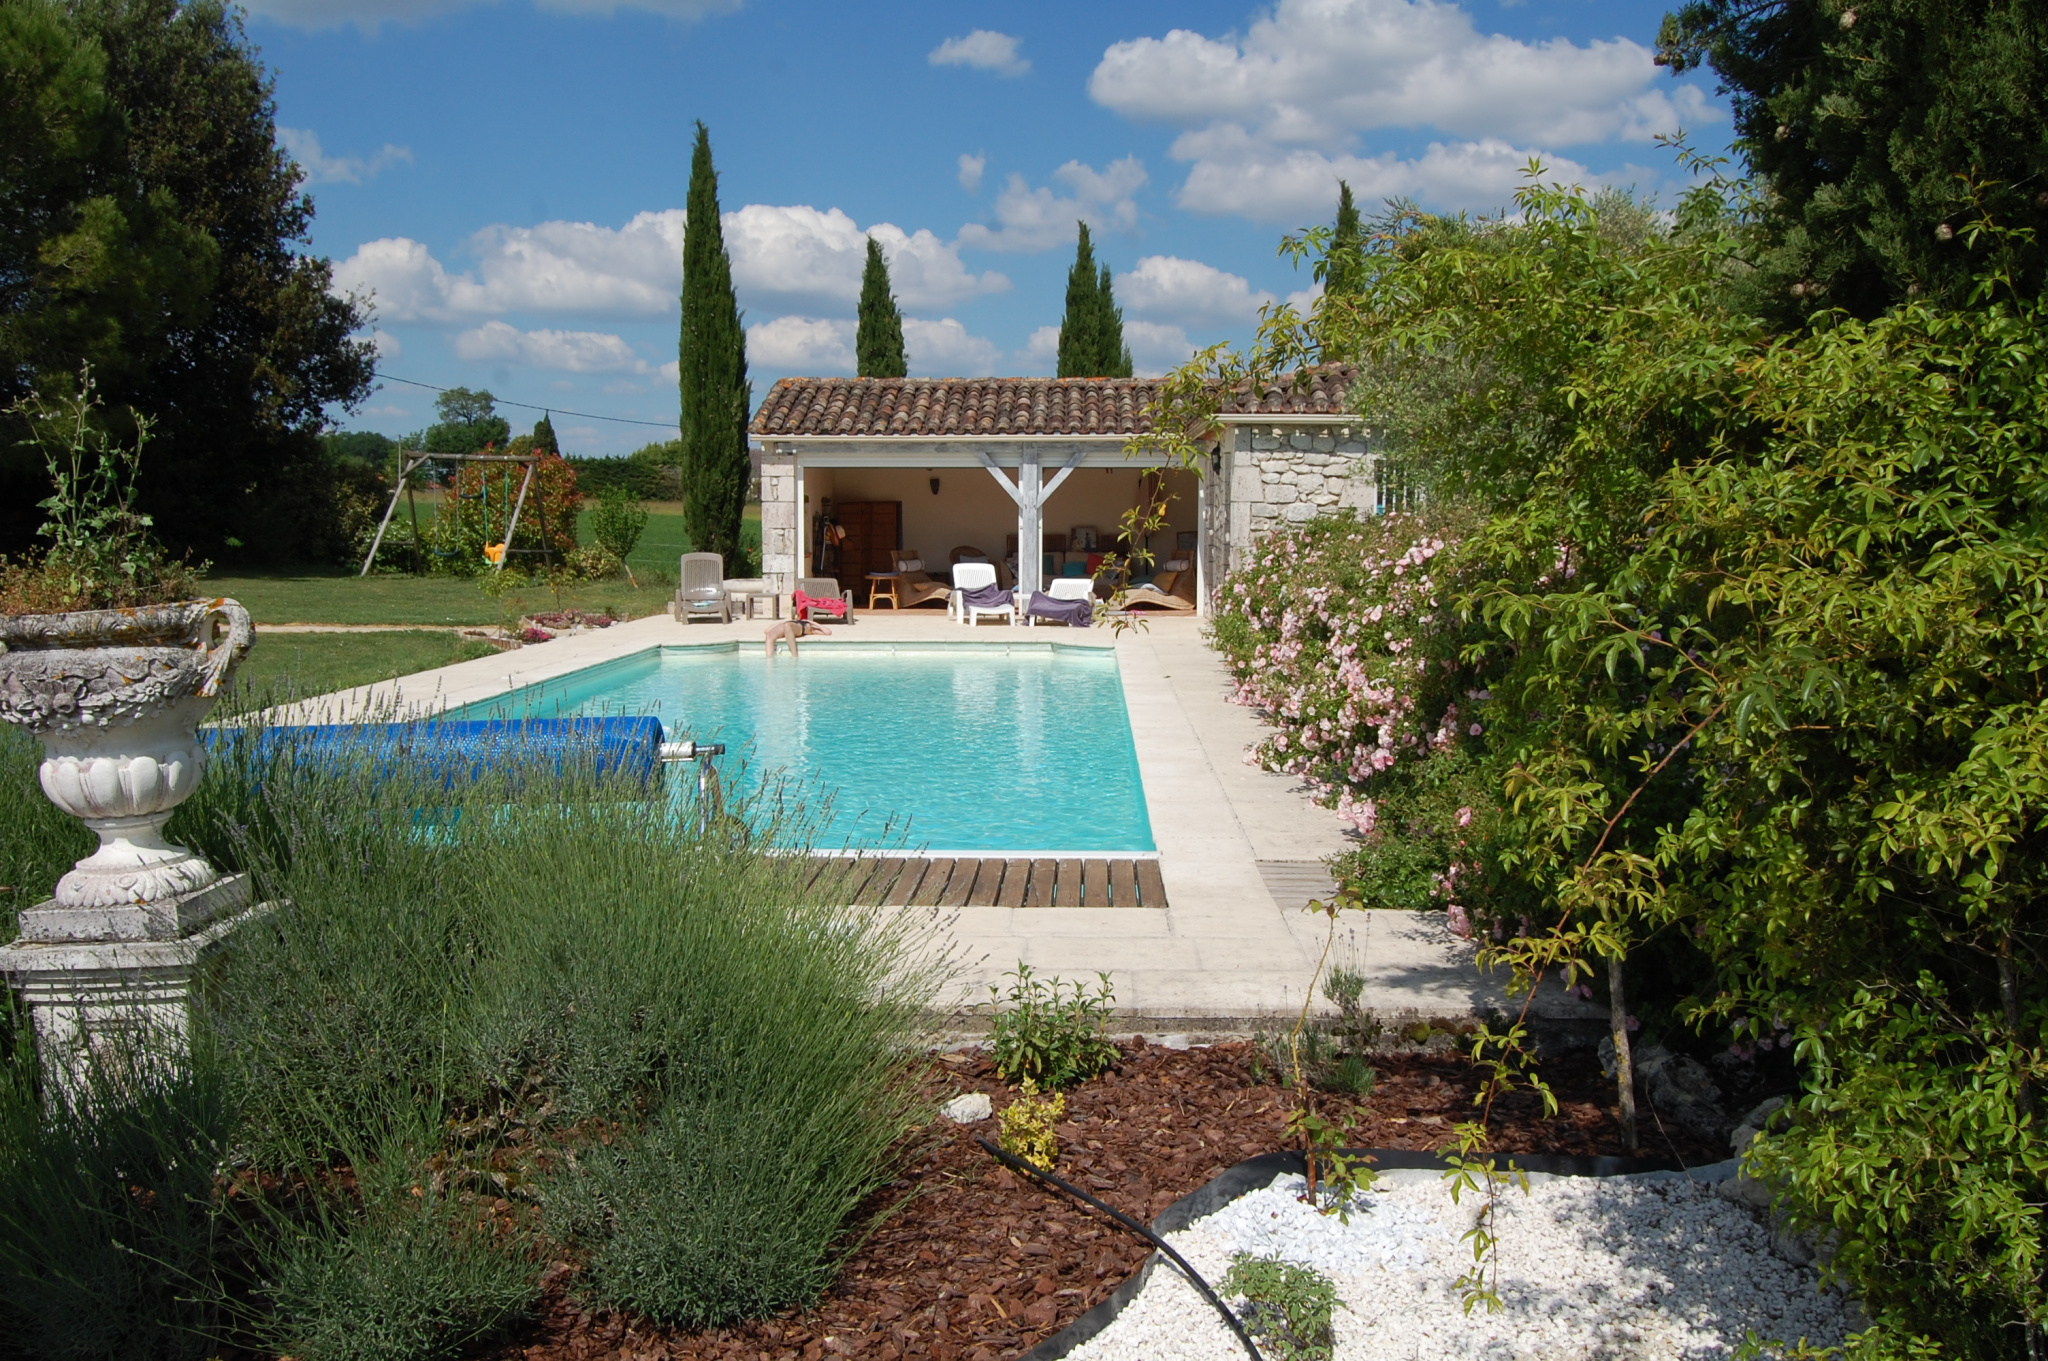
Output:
(752, 589)
(883, 585)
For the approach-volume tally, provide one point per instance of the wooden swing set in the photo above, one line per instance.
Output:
(412, 460)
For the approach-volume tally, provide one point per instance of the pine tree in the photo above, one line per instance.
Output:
(878, 342)
(712, 355)
(1344, 267)
(1081, 327)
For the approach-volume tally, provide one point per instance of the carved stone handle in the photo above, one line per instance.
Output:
(224, 655)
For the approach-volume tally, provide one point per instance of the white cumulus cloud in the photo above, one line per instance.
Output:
(497, 342)
(802, 345)
(1029, 220)
(1236, 174)
(304, 147)
(779, 254)
(970, 172)
(1156, 347)
(944, 349)
(801, 253)
(819, 345)
(1041, 353)
(1308, 78)
(1188, 291)
(371, 14)
(984, 50)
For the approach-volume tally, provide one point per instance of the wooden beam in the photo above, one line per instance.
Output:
(1073, 462)
(1016, 493)
(1067, 887)
(1038, 893)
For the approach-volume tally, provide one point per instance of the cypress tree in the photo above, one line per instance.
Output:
(878, 342)
(712, 357)
(1112, 357)
(1081, 327)
(544, 441)
(1344, 267)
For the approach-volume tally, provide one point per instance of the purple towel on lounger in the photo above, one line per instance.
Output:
(987, 597)
(1079, 613)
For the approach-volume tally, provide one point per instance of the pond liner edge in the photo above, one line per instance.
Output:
(1261, 1171)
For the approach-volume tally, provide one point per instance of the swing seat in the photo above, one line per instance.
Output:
(494, 553)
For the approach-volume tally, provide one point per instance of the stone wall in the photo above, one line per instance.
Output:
(780, 516)
(1287, 475)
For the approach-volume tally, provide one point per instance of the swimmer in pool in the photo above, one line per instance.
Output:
(789, 630)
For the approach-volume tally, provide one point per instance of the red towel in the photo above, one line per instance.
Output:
(823, 604)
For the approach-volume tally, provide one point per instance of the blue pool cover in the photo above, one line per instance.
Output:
(448, 750)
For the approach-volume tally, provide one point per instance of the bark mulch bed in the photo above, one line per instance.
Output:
(982, 1265)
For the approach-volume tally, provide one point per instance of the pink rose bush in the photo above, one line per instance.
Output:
(1344, 632)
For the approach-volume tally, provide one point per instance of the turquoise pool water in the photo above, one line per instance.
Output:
(961, 747)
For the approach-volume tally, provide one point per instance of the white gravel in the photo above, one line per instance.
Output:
(1608, 1268)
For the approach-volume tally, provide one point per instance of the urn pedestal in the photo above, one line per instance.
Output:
(115, 698)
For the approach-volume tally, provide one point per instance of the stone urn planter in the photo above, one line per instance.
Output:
(115, 697)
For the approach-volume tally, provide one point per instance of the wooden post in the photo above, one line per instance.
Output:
(517, 506)
(1030, 539)
(404, 472)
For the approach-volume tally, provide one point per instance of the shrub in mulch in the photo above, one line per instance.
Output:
(976, 1264)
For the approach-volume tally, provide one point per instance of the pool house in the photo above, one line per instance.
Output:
(1034, 474)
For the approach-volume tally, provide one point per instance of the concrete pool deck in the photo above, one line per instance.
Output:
(1239, 848)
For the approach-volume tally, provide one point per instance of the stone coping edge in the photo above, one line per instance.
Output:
(1254, 1173)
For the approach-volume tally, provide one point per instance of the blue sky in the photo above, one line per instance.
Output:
(507, 177)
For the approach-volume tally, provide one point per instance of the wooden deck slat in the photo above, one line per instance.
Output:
(880, 881)
(961, 883)
(933, 885)
(1151, 887)
(1016, 874)
(1123, 884)
(1038, 892)
(988, 878)
(837, 879)
(1067, 885)
(1097, 883)
(906, 884)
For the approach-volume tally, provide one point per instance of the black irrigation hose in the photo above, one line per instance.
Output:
(1124, 1221)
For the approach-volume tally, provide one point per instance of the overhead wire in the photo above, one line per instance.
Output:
(529, 406)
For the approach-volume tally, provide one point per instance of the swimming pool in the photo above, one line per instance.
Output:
(958, 747)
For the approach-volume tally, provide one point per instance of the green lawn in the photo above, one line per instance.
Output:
(300, 664)
(665, 540)
(337, 596)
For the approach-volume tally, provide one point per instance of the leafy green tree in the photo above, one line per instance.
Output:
(1092, 328)
(469, 422)
(878, 340)
(1877, 129)
(1747, 645)
(716, 396)
(152, 227)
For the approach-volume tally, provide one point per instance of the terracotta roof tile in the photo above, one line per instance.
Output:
(931, 407)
